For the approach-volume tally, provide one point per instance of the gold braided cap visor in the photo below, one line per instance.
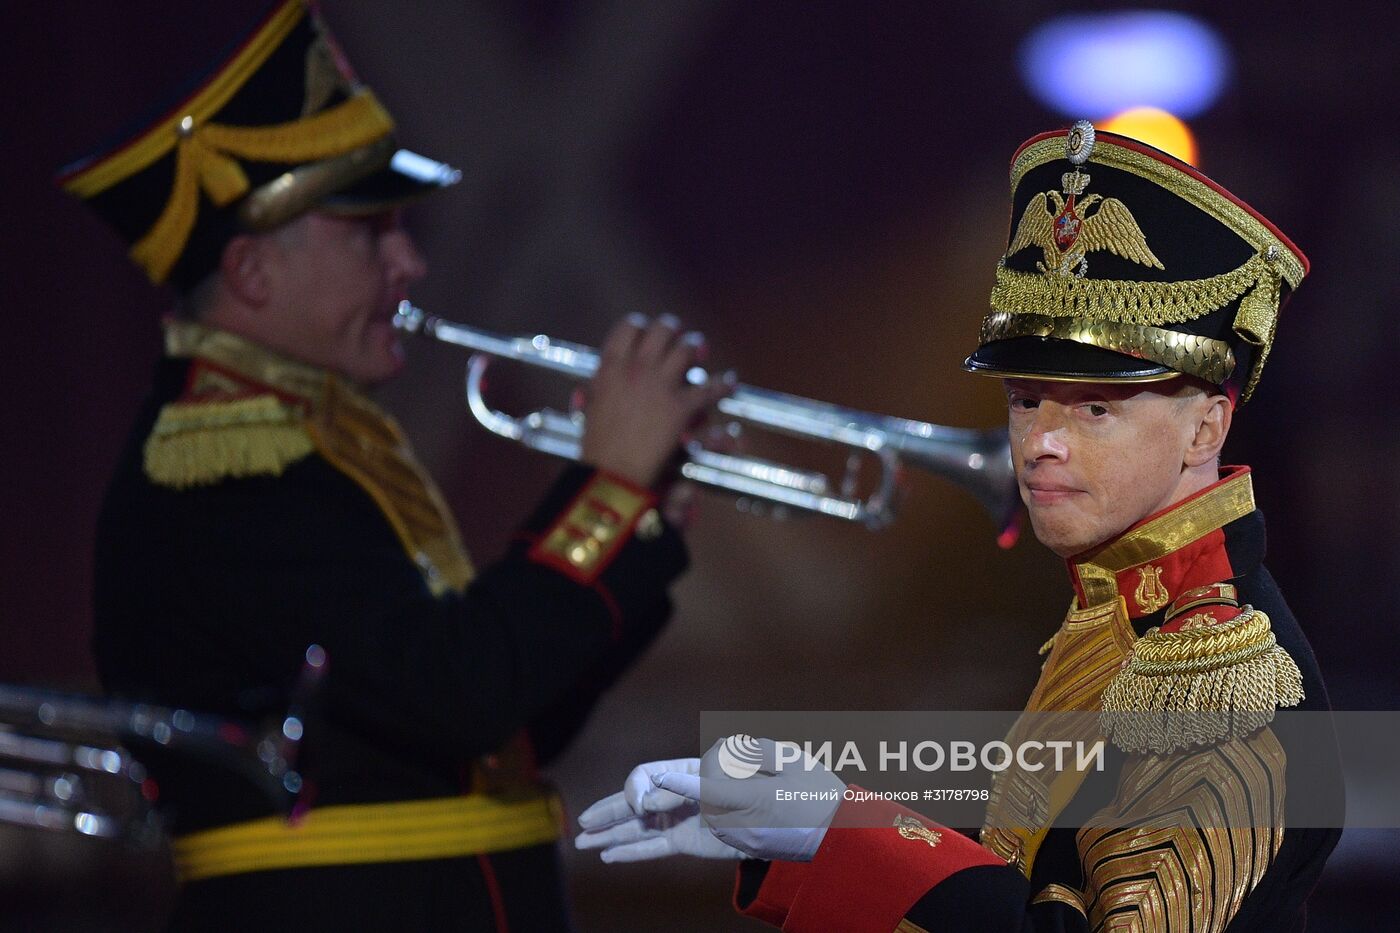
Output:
(1188, 354)
(294, 192)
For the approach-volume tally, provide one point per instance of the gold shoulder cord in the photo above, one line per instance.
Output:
(1200, 685)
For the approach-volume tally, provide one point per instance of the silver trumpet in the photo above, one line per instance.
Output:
(978, 461)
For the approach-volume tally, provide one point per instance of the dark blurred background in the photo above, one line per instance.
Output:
(821, 188)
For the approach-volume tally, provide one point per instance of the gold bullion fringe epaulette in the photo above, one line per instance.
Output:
(200, 443)
(1200, 686)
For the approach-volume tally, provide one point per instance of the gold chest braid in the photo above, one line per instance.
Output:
(365, 444)
(1086, 654)
(246, 412)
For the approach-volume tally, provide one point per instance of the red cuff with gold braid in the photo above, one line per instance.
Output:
(876, 861)
(595, 526)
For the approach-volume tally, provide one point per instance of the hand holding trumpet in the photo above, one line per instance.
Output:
(639, 407)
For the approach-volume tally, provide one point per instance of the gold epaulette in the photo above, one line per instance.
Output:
(1200, 686)
(199, 443)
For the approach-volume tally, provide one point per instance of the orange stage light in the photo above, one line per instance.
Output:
(1156, 128)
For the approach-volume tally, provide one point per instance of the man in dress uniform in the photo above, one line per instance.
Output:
(265, 504)
(1133, 312)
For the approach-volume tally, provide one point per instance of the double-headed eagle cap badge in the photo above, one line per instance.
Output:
(1064, 230)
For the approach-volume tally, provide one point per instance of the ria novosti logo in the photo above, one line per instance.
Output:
(740, 756)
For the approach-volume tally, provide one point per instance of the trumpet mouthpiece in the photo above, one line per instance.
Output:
(409, 317)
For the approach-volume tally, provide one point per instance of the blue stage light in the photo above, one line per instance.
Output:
(1093, 65)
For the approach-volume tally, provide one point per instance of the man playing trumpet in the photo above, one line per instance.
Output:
(264, 503)
(1132, 314)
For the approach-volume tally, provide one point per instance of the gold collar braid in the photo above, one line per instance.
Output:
(190, 339)
(1216, 507)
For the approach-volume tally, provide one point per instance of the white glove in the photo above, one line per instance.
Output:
(726, 806)
(767, 806)
(643, 821)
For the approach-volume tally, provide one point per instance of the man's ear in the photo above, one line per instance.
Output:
(243, 266)
(1213, 424)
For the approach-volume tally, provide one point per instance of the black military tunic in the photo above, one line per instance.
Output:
(262, 506)
(1202, 837)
